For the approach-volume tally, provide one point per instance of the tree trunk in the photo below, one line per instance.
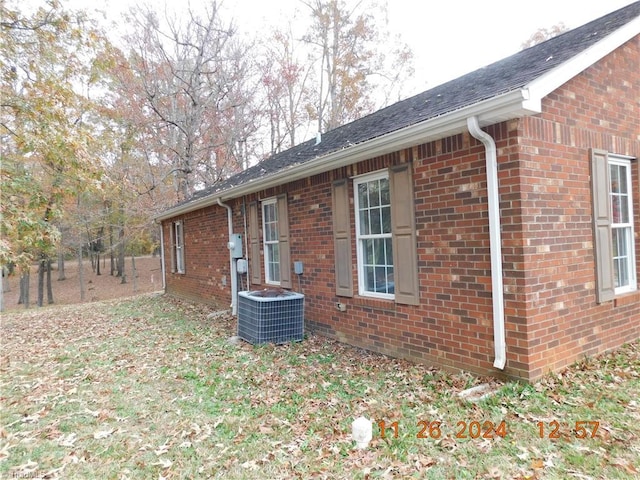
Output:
(92, 257)
(41, 267)
(121, 259)
(121, 269)
(6, 286)
(81, 273)
(98, 264)
(2, 284)
(25, 279)
(113, 263)
(134, 273)
(61, 275)
(49, 287)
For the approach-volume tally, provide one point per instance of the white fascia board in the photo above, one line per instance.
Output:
(496, 109)
(554, 78)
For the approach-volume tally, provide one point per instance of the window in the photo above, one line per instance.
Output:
(374, 236)
(387, 258)
(613, 225)
(624, 275)
(270, 239)
(177, 248)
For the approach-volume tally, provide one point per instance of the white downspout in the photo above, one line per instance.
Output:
(495, 241)
(164, 272)
(232, 263)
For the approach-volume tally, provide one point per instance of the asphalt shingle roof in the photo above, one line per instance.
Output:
(501, 77)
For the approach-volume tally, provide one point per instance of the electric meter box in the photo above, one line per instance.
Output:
(235, 245)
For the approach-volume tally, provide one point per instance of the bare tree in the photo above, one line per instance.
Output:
(350, 59)
(287, 87)
(544, 34)
(191, 74)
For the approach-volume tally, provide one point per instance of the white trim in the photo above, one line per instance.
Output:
(267, 271)
(554, 78)
(370, 177)
(625, 161)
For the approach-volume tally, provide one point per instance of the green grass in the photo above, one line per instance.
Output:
(149, 387)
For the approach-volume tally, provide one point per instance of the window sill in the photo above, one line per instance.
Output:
(627, 299)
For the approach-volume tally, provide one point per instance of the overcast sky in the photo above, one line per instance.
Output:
(452, 37)
(448, 37)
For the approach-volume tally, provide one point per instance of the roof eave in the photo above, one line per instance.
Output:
(504, 107)
(554, 78)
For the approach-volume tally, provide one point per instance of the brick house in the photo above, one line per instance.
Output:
(490, 224)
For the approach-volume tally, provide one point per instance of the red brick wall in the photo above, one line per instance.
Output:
(453, 325)
(206, 258)
(564, 322)
(545, 204)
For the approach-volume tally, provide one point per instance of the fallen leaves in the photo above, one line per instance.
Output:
(150, 387)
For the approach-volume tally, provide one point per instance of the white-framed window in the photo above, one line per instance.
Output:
(271, 241)
(374, 235)
(622, 234)
(177, 236)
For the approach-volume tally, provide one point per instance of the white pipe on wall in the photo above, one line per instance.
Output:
(495, 241)
(164, 273)
(232, 263)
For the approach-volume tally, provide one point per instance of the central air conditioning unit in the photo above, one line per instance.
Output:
(270, 316)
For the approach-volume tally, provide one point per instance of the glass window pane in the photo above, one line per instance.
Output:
(386, 219)
(389, 249)
(363, 198)
(369, 279)
(384, 191)
(376, 223)
(614, 172)
(374, 193)
(364, 222)
(624, 210)
(381, 280)
(368, 252)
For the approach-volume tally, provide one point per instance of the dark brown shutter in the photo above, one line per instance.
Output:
(342, 238)
(603, 248)
(405, 257)
(283, 242)
(172, 243)
(254, 243)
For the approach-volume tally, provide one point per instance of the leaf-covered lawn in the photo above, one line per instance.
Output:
(150, 388)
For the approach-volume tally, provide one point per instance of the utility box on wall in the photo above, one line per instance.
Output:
(270, 316)
(235, 245)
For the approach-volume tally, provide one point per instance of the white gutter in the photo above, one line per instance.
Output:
(495, 242)
(164, 273)
(232, 263)
(494, 110)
